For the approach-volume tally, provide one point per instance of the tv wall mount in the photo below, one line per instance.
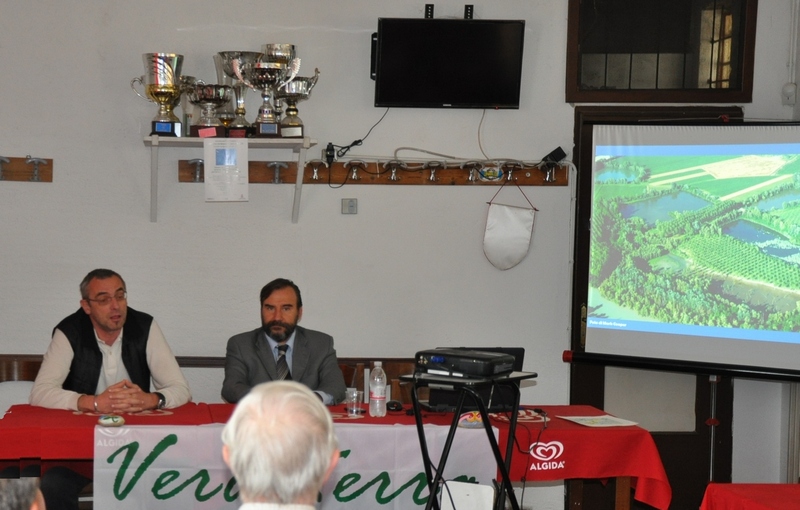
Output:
(469, 9)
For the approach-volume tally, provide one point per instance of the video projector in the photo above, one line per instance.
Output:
(464, 363)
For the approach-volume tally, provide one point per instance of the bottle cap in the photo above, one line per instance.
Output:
(378, 364)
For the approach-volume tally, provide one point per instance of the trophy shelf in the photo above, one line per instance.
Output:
(299, 147)
(296, 144)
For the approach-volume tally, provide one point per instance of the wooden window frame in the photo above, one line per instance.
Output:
(574, 93)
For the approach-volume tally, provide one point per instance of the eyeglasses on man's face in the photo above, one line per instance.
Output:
(106, 299)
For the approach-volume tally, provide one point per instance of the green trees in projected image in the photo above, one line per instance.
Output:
(686, 269)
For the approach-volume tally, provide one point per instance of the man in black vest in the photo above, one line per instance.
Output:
(102, 359)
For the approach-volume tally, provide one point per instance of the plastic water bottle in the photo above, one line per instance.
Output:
(377, 391)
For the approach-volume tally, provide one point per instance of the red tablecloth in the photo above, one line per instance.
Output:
(565, 449)
(30, 432)
(751, 496)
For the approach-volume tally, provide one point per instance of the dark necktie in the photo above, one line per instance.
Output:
(283, 366)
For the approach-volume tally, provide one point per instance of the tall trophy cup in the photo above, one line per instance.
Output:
(209, 98)
(296, 90)
(264, 77)
(239, 127)
(225, 112)
(277, 67)
(187, 108)
(285, 54)
(161, 82)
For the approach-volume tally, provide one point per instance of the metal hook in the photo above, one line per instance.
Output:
(277, 165)
(509, 166)
(473, 167)
(549, 170)
(315, 164)
(198, 174)
(6, 161)
(433, 166)
(356, 164)
(35, 162)
(393, 165)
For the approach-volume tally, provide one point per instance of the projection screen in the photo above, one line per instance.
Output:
(694, 244)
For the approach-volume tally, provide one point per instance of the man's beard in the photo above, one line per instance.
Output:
(278, 336)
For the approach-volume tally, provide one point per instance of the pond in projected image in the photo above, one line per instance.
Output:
(616, 175)
(767, 240)
(660, 208)
(778, 200)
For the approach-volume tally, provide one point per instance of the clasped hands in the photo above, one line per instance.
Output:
(125, 397)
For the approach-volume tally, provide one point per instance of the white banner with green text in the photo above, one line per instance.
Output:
(168, 467)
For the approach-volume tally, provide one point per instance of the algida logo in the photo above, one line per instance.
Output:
(547, 455)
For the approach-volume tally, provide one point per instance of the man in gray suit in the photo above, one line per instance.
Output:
(253, 357)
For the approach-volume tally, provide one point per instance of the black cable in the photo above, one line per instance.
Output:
(331, 154)
(345, 149)
(346, 176)
(449, 495)
(527, 451)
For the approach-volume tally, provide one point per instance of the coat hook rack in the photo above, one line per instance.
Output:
(29, 169)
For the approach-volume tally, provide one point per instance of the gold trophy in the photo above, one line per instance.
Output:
(162, 86)
(296, 90)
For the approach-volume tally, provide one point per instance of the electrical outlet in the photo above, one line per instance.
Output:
(789, 94)
(349, 206)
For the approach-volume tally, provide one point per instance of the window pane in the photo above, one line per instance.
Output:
(651, 45)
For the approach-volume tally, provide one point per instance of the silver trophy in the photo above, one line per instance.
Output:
(162, 85)
(187, 85)
(277, 67)
(225, 113)
(293, 92)
(239, 127)
(285, 54)
(209, 98)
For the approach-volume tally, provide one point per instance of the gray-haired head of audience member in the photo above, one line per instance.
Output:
(280, 444)
(20, 494)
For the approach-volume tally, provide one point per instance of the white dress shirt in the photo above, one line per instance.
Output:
(166, 375)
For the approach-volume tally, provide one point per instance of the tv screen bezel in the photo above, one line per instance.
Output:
(377, 69)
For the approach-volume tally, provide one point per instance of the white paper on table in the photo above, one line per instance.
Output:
(599, 421)
(226, 169)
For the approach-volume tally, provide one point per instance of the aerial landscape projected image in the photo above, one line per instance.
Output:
(696, 240)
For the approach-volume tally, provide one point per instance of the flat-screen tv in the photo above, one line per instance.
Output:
(447, 63)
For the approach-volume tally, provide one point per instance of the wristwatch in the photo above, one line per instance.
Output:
(161, 400)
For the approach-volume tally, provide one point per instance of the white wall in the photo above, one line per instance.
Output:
(406, 273)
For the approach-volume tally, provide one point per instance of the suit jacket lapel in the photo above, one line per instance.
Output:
(301, 354)
(265, 356)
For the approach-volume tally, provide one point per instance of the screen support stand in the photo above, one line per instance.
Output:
(712, 422)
